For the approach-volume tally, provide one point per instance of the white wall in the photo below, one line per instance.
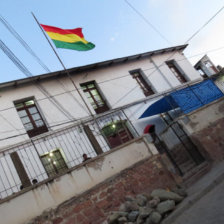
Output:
(115, 82)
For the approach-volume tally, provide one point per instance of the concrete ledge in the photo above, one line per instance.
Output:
(48, 194)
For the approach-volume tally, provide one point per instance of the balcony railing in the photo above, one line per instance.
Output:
(52, 153)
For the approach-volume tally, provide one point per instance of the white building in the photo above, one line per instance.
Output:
(45, 117)
(206, 67)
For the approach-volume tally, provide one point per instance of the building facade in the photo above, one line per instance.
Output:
(40, 104)
(49, 122)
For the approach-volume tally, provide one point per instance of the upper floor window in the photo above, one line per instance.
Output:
(94, 96)
(141, 80)
(31, 118)
(177, 71)
(202, 73)
(208, 64)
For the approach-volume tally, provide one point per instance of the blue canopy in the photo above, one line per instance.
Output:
(161, 106)
(187, 99)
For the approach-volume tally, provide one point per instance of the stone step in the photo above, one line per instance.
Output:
(187, 166)
(193, 175)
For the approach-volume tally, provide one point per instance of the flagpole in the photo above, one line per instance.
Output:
(65, 69)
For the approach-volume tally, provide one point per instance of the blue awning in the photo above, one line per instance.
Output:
(187, 99)
(161, 106)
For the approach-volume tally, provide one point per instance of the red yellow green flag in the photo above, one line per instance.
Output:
(69, 39)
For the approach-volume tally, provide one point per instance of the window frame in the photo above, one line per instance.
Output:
(177, 71)
(50, 167)
(142, 81)
(100, 108)
(36, 130)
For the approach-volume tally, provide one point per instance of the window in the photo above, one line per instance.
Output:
(140, 79)
(208, 64)
(95, 98)
(177, 71)
(31, 118)
(53, 162)
(117, 133)
(202, 73)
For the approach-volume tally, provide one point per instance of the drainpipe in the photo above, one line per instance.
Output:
(161, 73)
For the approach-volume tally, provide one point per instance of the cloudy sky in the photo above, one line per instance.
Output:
(114, 27)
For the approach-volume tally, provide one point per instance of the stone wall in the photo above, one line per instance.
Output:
(93, 207)
(206, 128)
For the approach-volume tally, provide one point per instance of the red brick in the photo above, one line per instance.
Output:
(103, 204)
(57, 220)
(110, 190)
(80, 218)
(71, 221)
(103, 194)
(82, 206)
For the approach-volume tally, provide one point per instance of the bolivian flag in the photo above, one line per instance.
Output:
(69, 39)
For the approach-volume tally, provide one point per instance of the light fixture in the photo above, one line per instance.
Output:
(51, 154)
(113, 126)
(54, 162)
(49, 159)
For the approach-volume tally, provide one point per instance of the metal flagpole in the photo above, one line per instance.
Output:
(67, 72)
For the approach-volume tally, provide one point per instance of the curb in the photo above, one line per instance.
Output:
(191, 201)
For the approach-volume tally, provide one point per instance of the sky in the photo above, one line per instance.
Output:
(113, 26)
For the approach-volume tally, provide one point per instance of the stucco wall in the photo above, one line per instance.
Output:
(205, 127)
(32, 202)
(203, 117)
(115, 82)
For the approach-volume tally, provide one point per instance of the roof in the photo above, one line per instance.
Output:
(85, 68)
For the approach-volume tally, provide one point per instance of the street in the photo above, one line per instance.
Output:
(208, 210)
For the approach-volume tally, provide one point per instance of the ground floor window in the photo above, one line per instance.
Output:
(117, 133)
(53, 162)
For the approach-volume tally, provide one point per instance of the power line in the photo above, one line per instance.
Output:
(67, 122)
(147, 22)
(29, 49)
(23, 42)
(202, 27)
(155, 69)
(22, 68)
(173, 53)
(163, 38)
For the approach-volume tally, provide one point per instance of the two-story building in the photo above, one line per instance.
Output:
(47, 124)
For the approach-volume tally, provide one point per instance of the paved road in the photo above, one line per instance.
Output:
(208, 210)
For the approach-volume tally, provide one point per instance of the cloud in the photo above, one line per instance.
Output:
(114, 37)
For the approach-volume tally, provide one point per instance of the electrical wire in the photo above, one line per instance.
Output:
(120, 77)
(148, 23)
(23, 42)
(173, 53)
(32, 53)
(67, 122)
(163, 38)
(22, 68)
(203, 26)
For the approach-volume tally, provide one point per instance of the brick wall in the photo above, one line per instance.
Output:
(92, 207)
(211, 140)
